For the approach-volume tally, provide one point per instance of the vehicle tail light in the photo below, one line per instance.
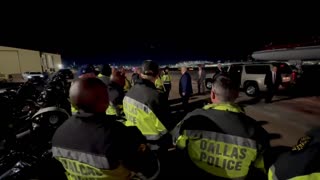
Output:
(286, 79)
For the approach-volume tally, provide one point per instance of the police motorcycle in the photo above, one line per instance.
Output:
(28, 152)
(56, 93)
(23, 103)
(25, 152)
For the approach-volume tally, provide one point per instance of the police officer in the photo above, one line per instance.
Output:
(220, 140)
(127, 84)
(116, 94)
(144, 107)
(105, 74)
(159, 85)
(92, 145)
(302, 162)
(166, 78)
(86, 71)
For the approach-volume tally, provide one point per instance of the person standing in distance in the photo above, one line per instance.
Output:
(86, 71)
(272, 80)
(166, 78)
(219, 141)
(116, 94)
(105, 74)
(200, 80)
(136, 75)
(185, 87)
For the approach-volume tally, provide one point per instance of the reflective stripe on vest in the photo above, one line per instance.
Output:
(220, 154)
(100, 162)
(140, 115)
(272, 173)
(76, 170)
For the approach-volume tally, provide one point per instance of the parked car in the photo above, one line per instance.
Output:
(32, 75)
(68, 74)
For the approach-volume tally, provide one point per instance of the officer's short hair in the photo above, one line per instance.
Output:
(224, 88)
(150, 68)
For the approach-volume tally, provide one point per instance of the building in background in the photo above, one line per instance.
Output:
(18, 61)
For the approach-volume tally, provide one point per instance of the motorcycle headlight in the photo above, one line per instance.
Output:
(53, 119)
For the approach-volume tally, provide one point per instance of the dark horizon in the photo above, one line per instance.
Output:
(163, 37)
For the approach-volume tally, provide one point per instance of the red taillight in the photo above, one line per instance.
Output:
(294, 76)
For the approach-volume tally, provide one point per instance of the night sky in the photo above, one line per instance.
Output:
(130, 35)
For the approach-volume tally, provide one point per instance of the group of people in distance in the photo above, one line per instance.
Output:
(217, 141)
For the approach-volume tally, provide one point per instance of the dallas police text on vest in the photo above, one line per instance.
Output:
(222, 155)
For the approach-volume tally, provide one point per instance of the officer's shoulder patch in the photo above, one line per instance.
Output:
(302, 143)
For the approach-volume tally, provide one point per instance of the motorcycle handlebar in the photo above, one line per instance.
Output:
(21, 135)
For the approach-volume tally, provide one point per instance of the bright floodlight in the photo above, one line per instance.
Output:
(60, 66)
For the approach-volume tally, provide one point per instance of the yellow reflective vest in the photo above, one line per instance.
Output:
(140, 115)
(221, 154)
(159, 85)
(127, 85)
(166, 78)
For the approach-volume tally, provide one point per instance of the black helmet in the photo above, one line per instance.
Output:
(150, 68)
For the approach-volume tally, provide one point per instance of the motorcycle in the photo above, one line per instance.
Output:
(30, 151)
(25, 147)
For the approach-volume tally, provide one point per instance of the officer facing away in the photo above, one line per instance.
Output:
(116, 94)
(220, 140)
(92, 145)
(86, 71)
(302, 162)
(144, 107)
(105, 74)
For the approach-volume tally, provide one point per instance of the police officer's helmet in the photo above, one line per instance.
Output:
(150, 68)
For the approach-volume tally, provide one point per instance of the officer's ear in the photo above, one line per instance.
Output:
(213, 96)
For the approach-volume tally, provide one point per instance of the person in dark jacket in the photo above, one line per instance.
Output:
(116, 94)
(135, 76)
(219, 141)
(272, 80)
(302, 162)
(105, 74)
(92, 145)
(185, 87)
